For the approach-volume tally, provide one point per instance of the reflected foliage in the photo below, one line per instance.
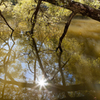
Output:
(26, 57)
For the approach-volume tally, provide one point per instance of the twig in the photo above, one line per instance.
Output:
(30, 68)
(61, 67)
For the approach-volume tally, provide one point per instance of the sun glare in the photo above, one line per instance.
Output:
(42, 83)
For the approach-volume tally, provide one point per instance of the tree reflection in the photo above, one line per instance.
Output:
(68, 68)
(20, 63)
(7, 59)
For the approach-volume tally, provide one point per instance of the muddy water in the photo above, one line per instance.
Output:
(87, 32)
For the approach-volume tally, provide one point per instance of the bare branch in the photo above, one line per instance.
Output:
(33, 21)
(10, 77)
(30, 68)
(65, 31)
(61, 67)
(6, 23)
(62, 74)
(80, 8)
(35, 71)
(38, 57)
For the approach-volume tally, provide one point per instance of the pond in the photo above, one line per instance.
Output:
(22, 62)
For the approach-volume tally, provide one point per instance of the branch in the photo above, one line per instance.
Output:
(10, 77)
(29, 67)
(6, 23)
(5, 63)
(61, 67)
(65, 30)
(38, 57)
(33, 22)
(80, 8)
(62, 74)
(52, 87)
(35, 16)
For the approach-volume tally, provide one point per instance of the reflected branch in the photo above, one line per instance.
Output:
(5, 64)
(33, 22)
(61, 67)
(65, 30)
(5, 71)
(10, 77)
(29, 67)
(56, 88)
(4, 41)
(35, 71)
(38, 57)
(7, 23)
(62, 74)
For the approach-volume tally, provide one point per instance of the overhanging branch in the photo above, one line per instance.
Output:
(80, 8)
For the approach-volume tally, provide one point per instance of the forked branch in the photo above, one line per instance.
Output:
(65, 31)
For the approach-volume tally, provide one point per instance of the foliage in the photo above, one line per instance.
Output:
(20, 56)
